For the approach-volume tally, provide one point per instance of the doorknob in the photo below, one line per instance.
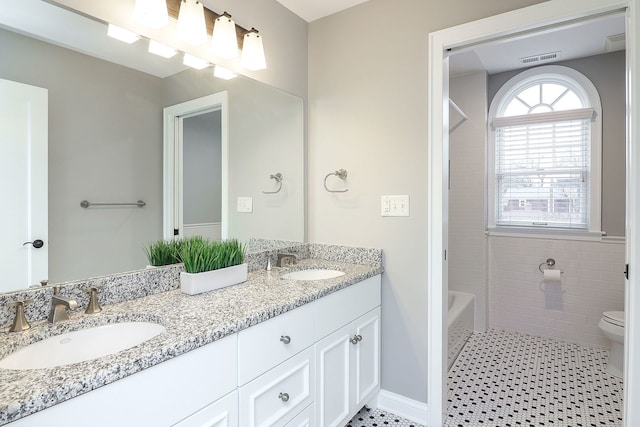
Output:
(36, 243)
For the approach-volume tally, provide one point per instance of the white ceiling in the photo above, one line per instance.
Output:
(577, 40)
(310, 10)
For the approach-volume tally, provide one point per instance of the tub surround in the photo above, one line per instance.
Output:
(190, 321)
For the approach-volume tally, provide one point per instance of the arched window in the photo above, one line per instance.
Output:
(544, 153)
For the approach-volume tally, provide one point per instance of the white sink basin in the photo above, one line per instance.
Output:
(82, 345)
(312, 274)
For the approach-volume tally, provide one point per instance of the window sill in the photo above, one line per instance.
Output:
(549, 234)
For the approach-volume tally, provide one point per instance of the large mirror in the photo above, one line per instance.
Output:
(105, 141)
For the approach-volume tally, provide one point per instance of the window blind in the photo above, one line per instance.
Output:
(543, 169)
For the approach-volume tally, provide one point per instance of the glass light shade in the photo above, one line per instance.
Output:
(253, 52)
(194, 62)
(191, 24)
(224, 43)
(122, 34)
(152, 13)
(161, 49)
(224, 73)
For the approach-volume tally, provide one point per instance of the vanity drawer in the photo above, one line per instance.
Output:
(276, 397)
(339, 308)
(270, 343)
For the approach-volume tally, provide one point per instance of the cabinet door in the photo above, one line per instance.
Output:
(303, 419)
(366, 358)
(221, 413)
(332, 376)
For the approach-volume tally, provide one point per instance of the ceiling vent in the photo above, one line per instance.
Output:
(537, 59)
(615, 42)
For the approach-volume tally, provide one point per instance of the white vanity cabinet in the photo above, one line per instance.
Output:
(315, 365)
(221, 413)
(162, 395)
(306, 418)
(348, 360)
(276, 397)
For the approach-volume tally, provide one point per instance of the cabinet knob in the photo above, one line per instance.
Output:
(359, 338)
(284, 397)
(355, 339)
(286, 339)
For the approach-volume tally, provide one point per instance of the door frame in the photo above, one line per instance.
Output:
(172, 160)
(530, 19)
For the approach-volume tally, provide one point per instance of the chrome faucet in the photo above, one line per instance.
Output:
(60, 305)
(285, 260)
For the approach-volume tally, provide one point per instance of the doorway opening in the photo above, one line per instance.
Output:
(539, 19)
(196, 168)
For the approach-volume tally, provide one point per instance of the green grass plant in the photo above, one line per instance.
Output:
(199, 255)
(163, 252)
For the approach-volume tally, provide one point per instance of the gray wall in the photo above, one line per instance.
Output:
(606, 72)
(105, 145)
(202, 172)
(367, 114)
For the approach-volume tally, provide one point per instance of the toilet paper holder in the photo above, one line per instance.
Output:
(550, 263)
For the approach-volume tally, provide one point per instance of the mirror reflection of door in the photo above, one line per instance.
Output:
(23, 182)
(196, 168)
(202, 175)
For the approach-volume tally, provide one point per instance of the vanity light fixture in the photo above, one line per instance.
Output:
(224, 73)
(194, 62)
(192, 27)
(253, 51)
(121, 34)
(152, 13)
(161, 49)
(224, 43)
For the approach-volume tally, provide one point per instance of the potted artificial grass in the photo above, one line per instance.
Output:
(163, 252)
(211, 264)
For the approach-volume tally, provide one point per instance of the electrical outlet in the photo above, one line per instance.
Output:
(245, 204)
(394, 205)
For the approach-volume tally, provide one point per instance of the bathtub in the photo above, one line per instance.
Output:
(459, 323)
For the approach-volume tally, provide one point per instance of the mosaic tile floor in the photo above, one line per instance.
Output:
(507, 379)
(377, 418)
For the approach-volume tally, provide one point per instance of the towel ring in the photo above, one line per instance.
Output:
(278, 178)
(340, 173)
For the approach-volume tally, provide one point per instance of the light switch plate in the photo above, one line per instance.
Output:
(394, 205)
(245, 204)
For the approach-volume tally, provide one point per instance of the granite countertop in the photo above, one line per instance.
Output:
(190, 322)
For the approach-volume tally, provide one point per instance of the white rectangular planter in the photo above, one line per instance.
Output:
(196, 283)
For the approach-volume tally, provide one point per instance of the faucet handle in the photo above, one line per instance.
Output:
(94, 306)
(20, 322)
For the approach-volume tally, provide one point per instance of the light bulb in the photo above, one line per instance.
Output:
(152, 13)
(191, 24)
(253, 51)
(224, 43)
(122, 34)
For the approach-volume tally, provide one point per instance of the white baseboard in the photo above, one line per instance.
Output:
(403, 407)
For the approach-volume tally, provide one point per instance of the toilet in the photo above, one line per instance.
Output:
(612, 324)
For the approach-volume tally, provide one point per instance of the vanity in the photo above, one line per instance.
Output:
(270, 351)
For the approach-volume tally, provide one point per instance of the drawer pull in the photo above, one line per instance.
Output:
(284, 397)
(285, 339)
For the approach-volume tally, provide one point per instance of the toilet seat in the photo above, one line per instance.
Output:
(614, 317)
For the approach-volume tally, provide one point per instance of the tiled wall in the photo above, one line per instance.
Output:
(592, 282)
(467, 243)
